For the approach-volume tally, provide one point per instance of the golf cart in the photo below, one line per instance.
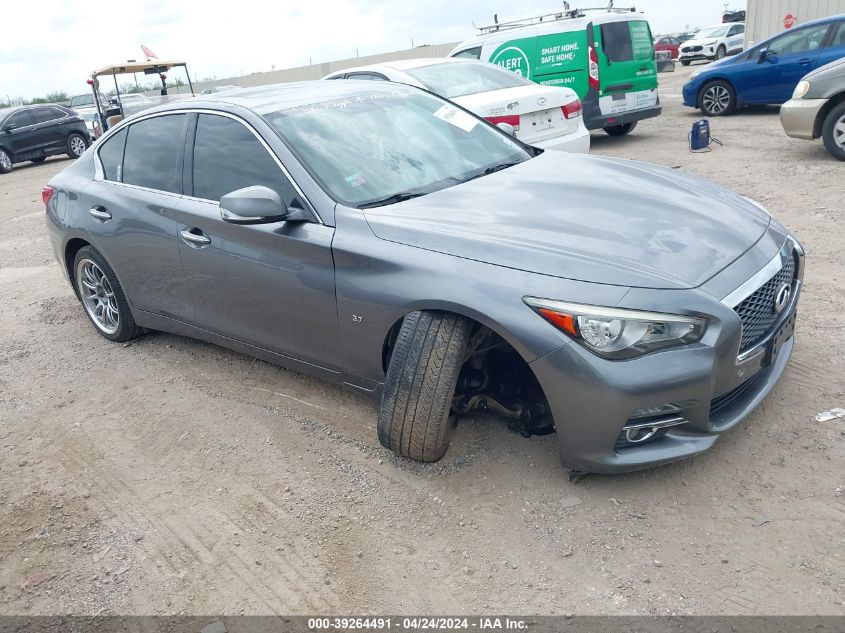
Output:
(120, 107)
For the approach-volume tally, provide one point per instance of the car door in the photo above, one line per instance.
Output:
(19, 134)
(834, 46)
(735, 38)
(47, 128)
(267, 285)
(131, 204)
(781, 64)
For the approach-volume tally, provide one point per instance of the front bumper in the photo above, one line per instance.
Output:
(593, 399)
(577, 142)
(798, 117)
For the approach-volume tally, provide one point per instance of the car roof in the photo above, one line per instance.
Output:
(266, 99)
(404, 65)
(829, 18)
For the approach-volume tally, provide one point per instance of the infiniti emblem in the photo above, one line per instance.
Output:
(784, 292)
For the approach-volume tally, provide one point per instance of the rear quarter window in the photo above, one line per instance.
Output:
(111, 156)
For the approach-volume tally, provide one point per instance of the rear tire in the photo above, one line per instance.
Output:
(97, 286)
(5, 162)
(621, 130)
(414, 417)
(833, 131)
(76, 145)
(40, 159)
(717, 98)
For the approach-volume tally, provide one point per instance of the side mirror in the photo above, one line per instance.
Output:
(507, 128)
(10, 126)
(763, 56)
(257, 205)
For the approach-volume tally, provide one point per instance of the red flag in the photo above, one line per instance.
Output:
(148, 52)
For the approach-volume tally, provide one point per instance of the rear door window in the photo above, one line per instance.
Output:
(42, 115)
(111, 156)
(627, 41)
(153, 155)
(244, 163)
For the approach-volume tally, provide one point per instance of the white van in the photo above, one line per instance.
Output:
(607, 58)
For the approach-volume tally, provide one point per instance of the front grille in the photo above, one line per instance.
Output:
(757, 312)
(691, 49)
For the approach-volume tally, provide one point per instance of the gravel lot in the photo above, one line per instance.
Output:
(170, 476)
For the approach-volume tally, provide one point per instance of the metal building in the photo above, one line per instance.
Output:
(765, 18)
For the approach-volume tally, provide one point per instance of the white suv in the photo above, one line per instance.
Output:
(713, 42)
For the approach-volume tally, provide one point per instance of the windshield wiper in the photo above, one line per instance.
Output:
(492, 169)
(392, 199)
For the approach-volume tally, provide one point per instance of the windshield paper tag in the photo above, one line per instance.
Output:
(355, 180)
(456, 117)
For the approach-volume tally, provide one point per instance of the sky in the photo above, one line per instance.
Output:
(55, 44)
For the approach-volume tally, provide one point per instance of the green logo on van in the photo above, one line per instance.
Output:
(514, 59)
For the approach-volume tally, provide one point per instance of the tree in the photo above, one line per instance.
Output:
(57, 96)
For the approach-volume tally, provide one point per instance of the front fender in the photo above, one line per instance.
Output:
(379, 282)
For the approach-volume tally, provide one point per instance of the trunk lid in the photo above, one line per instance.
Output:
(539, 109)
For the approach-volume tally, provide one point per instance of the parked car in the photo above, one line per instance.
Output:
(607, 58)
(381, 237)
(85, 107)
(768, 72)
(32, 133)
(817, 108)
(668, 43)
(714, 42)
(544, 116)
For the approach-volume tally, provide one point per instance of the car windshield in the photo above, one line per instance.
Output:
(81, 100)
(713, 31)
(384, 146)
(456, 79)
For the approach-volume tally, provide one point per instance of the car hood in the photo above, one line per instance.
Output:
(583, 217)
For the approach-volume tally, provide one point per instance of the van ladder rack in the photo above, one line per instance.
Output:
(565, 13)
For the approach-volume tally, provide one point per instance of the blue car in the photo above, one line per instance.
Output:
(768, 72)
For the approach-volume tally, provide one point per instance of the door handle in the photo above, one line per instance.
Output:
(101, 213)
(196, 240)
(805, 62)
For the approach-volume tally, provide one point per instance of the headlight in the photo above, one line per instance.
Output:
(801, 89)
(617, 333)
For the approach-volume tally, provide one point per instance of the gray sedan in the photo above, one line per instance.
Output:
(378, 236)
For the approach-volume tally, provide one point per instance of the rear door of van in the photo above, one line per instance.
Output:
(627, 70)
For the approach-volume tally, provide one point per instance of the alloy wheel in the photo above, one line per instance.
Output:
(97, 296)
(716, 99)
(5, 161)
(77, 146)
(839, 132)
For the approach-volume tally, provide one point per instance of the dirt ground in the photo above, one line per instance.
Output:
(172, 476)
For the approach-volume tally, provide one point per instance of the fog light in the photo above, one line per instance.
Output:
(635, 436)
(660, 409)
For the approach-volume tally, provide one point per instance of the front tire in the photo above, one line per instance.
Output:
(833, 132)
(718, 98)
(76, 145)
(721, 52)
(621, 130)
(685, 62)
(414, 417)
(5, 162)
(102, 296)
